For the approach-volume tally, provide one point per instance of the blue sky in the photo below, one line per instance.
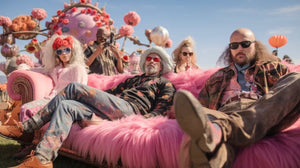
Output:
(210, 23)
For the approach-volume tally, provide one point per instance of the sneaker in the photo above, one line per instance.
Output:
(32, 161)
(14, 132)
(193, 120)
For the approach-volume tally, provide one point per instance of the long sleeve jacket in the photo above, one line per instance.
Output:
(265, 75)
(149, 95)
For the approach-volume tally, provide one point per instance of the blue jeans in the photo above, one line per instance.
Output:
(74, 103)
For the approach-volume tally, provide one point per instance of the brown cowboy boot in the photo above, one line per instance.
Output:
(205, 136)
(32, 161)
(14, 132)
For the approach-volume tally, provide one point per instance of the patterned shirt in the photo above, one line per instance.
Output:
(264, 75)
(105, 63)
(148, 95)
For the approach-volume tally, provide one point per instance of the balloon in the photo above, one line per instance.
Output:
(159, 35)
(277, 41)
(9, 50)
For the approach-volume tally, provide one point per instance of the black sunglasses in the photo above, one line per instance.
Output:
(244, 44)
(186, 53)
(61, 51)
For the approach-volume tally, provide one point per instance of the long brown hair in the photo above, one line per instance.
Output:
(262, 54)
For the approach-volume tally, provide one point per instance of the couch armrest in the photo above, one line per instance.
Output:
(28, 85)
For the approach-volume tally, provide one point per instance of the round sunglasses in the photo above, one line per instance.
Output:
(244, 44)
(186, 54)
(61, 51)
(155, 59)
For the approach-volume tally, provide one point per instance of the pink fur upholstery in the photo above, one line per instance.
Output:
(155, 142)
(139, 142)
(41, 85)
(280, 151)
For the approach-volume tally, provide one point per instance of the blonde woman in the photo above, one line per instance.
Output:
(64, 62)
(184, 56)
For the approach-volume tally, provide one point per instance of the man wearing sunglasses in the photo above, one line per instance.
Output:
(148, 94)
(102, 58)
(239, 104)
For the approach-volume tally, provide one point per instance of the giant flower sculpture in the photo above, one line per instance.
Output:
(39, 13)
(132, 18)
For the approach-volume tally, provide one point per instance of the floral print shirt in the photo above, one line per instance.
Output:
(148, 95)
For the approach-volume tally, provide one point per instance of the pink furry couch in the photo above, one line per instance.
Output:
(153, 142)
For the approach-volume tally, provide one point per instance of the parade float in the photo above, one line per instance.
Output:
(133, 141)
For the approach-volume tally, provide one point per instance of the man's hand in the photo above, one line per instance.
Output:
(115, 50)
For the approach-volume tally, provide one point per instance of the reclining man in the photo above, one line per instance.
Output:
(239, 104)
(148, 94)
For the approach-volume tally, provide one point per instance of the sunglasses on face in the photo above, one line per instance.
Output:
(155, 59)
(61, 51)
(244, 44)
(186, 54)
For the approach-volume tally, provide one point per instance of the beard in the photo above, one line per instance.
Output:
(151, 70)
(242, 58)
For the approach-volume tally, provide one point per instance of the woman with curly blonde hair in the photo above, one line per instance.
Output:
(63, 61)
(184, 56)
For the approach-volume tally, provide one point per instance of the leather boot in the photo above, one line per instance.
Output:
(32, 161)
(191, 117)
(14, 132)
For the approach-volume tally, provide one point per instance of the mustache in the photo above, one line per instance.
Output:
(240, 53)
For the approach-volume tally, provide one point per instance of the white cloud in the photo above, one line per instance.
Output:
(285, 10)
(283, 30)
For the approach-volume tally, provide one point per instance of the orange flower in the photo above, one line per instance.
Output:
(3, 87)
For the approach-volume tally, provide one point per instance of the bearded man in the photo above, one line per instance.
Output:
(148, 94)
(239, 104)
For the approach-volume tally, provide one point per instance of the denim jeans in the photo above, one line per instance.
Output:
(74, 103)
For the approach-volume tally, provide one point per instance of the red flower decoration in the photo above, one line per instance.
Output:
(96, 18)
(125, 58)
(88, 10)
(74, 9)
(58, 42)
(82, 11)
(99, 24)
(94, 12)
(34, 41)
(65, 21)
(82, 1)
(62, 15)
(132, 18)
(58, 12)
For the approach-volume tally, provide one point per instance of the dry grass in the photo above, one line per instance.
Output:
(9, 147)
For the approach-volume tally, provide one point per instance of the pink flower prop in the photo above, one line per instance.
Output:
(39, 13)
(126, 30)
(132, 18)
(5, 21)
(169, 43)
(24, 59)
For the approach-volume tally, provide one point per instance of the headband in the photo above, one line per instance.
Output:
(58, 42)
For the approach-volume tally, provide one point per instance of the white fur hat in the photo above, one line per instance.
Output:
(167, 62)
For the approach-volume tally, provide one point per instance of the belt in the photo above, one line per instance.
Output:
(238, 97)
(234, 98)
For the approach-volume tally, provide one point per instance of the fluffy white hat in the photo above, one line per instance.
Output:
(168, 64)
